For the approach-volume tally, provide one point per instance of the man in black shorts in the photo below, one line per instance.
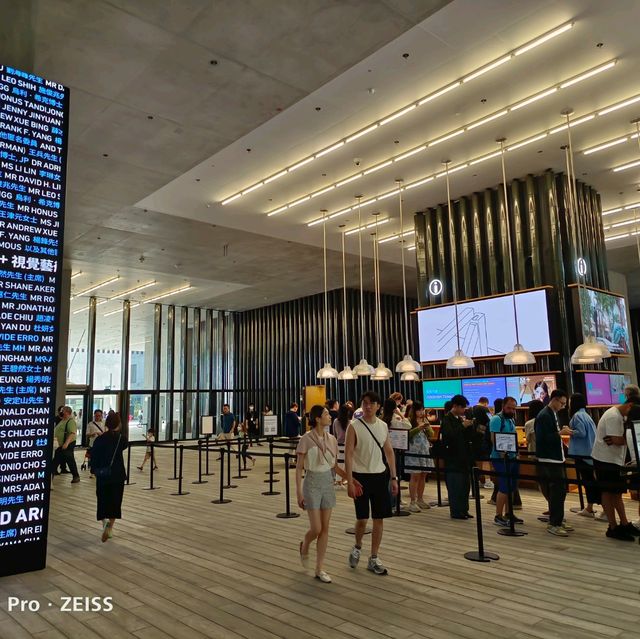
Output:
(367, 447)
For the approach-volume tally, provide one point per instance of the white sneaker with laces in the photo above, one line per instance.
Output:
(323, 577)
(586, 513)
(558, 531)
(354, 557)
(602, 516)
(488, 485)
(414, 508)
(423, 504)
(376, 566)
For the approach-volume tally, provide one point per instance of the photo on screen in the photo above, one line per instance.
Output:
(486, 326)
(526, 388)
(490, 387)
(598, 389)
(604, 316)
(438, 391)
(617, 384)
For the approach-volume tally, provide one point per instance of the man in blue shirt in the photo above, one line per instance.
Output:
(504, 422)
(228, 422)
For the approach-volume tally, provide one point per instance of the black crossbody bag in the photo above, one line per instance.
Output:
(105, 471)
(387, 470)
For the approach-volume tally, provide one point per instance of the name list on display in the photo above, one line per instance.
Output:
(33, 114)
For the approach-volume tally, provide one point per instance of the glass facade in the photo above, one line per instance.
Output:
(160, 366)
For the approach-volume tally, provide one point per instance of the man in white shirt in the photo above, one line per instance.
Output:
(367, 446)
(609, 456)
(95, 428)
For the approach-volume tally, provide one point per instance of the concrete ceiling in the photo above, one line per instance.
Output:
(167, 98)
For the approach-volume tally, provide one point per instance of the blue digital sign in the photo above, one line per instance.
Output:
(33, 148)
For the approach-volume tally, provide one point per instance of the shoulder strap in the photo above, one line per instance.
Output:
(384, 459)
(115, 450)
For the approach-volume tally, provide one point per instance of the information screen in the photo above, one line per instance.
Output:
(605, 388)
(491, 387)
(604, 316)
(486, 326)
(438, 391)
(33, 146)
(529, 387)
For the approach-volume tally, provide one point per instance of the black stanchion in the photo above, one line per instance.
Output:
(151, 469)
(200, 480)
(241, 456)
(175, 460)
(229, 484)
(180, 492)
(439, 502)
(271, 472)
(129, 482)
(400, 470)
(221, 499)
(480, 554)
(580, 493)
(511, 531)
(207, 439)
(287, 514)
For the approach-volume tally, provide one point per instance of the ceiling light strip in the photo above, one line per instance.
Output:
(606, 145)
(134, 290)
(96, 287)
(616, 237)
(410, 107)
(121, 310)
(368, 226)
(624, 167)
(74, 275)
(468, 127)
(178, 290)
(86, 308)
(482, 158)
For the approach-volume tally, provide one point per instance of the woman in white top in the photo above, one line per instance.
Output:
(317, 453)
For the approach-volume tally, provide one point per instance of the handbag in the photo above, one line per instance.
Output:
(387, 470)
(105, 471)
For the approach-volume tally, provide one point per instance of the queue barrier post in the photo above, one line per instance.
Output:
(242, 452)
(200, 480)
(511, 531)
(180, 491)
(151, 469)
(287, 514)
(271, 471)
(175, 460)
(207, 441)
(398, 512)
(479, 555)
(229, 484)
(129, 483)
(221, 499)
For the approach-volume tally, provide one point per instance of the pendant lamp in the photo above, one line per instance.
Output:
(407, 364)
(590, 351)
(346, 373)
(381, 372)
(459, 360)
(518, 356)
(363, 367)
(410, 377)
(327, 371)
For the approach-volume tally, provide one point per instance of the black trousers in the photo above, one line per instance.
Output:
(458, 487)
(554, 479)
(62, 457)
(587, 475)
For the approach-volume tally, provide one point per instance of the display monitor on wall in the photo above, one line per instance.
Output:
(34, 115)
(438, 391)
(604, 389)
(528, 387)
(490, 387)
(486, 326)
(604, 315)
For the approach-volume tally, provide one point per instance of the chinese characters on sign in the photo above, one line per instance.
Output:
(33, 143)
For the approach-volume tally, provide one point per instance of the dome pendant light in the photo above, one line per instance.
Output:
(407, 364)
(381, 372)
(458, 360)
(409, 377)
(590, 351)
(518, 356)
(346, 373)
(327, 371)
(363, 367)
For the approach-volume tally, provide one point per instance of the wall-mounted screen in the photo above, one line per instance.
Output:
(605, 388)
(436, 392)
(490, 387)
(604, 315)
(528, 387)
(486, 326)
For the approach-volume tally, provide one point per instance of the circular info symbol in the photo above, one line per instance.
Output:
(435, 287)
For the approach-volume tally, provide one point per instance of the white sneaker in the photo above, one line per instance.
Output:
(414, 508)
(423, 504)
(488, 485)
(558, 531)
(323, 577)
(586, 513)
(602, 516)
(354, 556)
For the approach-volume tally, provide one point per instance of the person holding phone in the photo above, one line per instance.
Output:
(609, 456)
(317, 454)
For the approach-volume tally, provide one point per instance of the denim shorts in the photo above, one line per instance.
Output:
(318, 491)
(506, 484)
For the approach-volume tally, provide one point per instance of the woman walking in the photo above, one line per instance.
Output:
(108, 467)
(317, 454)
(419, 436)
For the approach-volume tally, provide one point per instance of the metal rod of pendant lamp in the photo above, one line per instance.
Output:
(344, 300)
(326, 297)
(508, 225)
(359, 198)
(404, 276)
(452, 248)
(376, 256)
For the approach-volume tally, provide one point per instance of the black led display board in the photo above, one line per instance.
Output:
(34, 115)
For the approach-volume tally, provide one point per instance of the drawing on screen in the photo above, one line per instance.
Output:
(473, 334)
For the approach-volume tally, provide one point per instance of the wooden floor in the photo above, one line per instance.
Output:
(180, 567)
